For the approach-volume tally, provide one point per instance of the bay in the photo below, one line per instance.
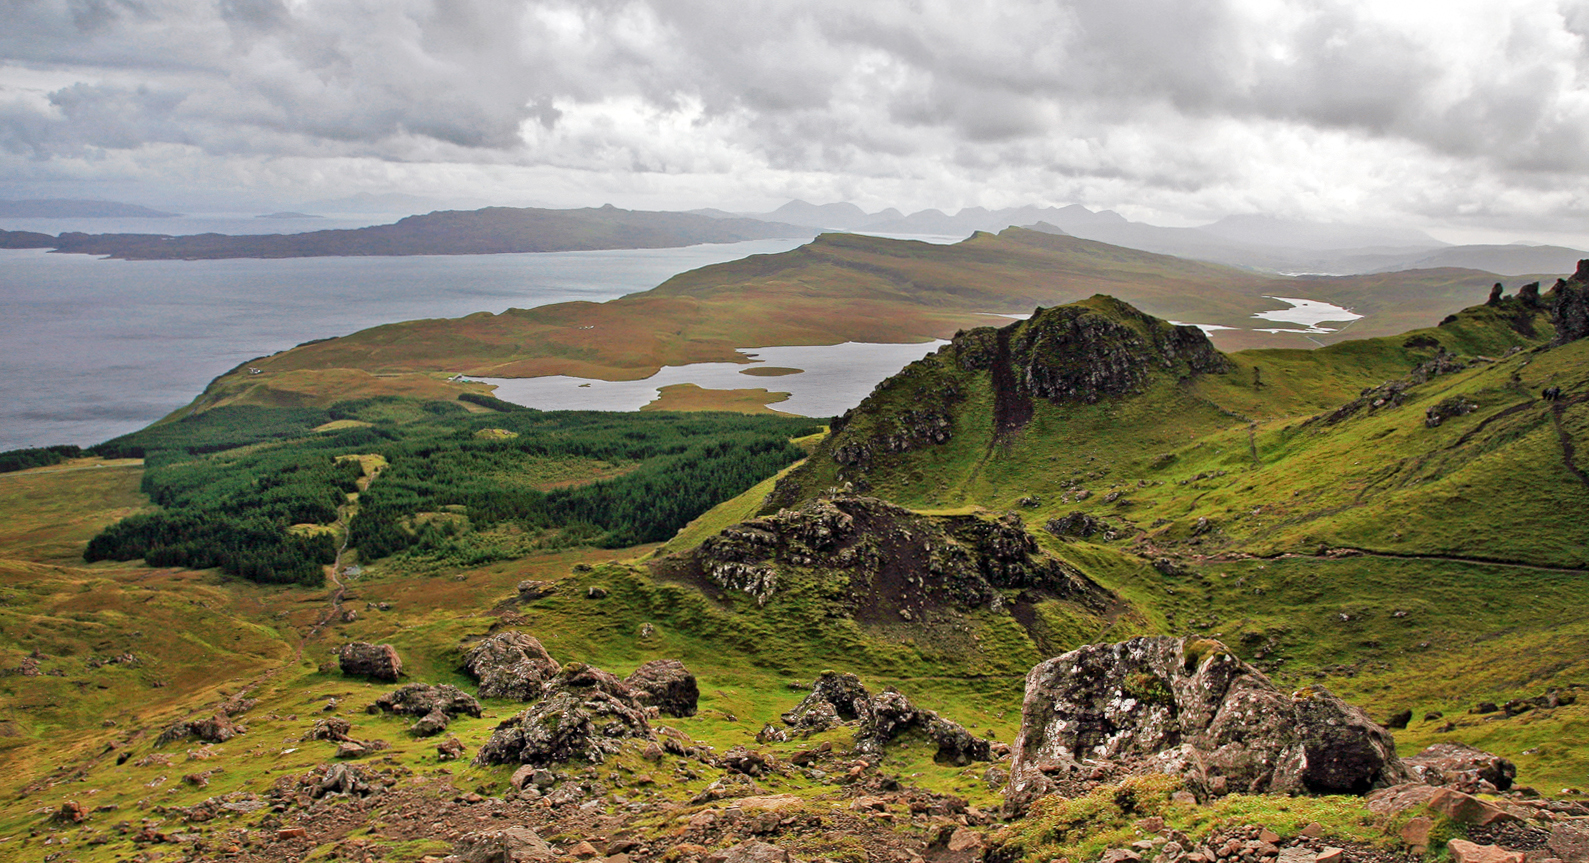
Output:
(91, 348)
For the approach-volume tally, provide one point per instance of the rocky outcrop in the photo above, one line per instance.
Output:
(214, 729)
(1085, 352)
(420, 699)
(1189, 707)
(1454, 406)
(666, 685)
(585, 713)
(1462, 767)
(899, 562)
(837, 698)
(510, 664)
(1570, 311)
(375, 661)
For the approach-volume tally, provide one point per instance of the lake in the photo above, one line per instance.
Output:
(95, 348)
(831, 380)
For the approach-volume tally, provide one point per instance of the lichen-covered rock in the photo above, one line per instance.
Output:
(430, 725)
(835, 697)
(666, 685)
(450, 749)
(375, 661)
(586, 713)
(1462, 767)
(510, 664)
(1189, 707)
(420, 699)
(890, 714)
(897, 560)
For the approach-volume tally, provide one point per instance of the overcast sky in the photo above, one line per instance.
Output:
(1467, 118)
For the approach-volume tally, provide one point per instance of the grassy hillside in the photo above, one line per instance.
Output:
(1124, 476)
(838, 288)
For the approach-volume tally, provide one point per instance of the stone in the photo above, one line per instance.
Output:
(666, 685)
(728, 787)
(217, 729)
(1467, 809)
(1463, 851)
(332, 728)
(430, 725)
(583, 851)
(351, 749)
(586, 713)
(1569, 841)
(509, 845)
(749, 852)
(286, 833)
(450, 749)
(1330, 855)
(343, 778)
(420, 699)
(1461, 766)
(1416, 832)
(1398, 721)
(1189, 707)
(375, 661)
(510, 664)
(71, 812)
(742, 760)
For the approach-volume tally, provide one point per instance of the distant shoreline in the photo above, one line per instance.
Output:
(493, 230)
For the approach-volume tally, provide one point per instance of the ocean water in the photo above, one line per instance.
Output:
(91, 348)
(831, 380)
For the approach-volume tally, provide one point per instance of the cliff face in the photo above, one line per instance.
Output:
(1570, 308)
(1079, 353)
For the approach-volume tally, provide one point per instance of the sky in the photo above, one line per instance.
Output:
(1468, 119)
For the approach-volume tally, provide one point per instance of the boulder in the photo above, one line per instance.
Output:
(1189, 707)
(586, 713)
(666, 685)
(1569, 841)
(342, 778)
(1463, 851)
(375, 661)
(217, 729)
(510, 664)
(334, 728)
(450, 749)
(421, 699)
(1462, 767)
(430, 725)
(834, 698)
(509, 845)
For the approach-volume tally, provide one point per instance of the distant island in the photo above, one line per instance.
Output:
(493, 230)
(288, 214)
(65, 208)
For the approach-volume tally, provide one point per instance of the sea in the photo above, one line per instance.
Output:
(94, 348)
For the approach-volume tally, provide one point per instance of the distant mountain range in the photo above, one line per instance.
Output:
(66, 208)
(491, 230)
(1252, 241)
